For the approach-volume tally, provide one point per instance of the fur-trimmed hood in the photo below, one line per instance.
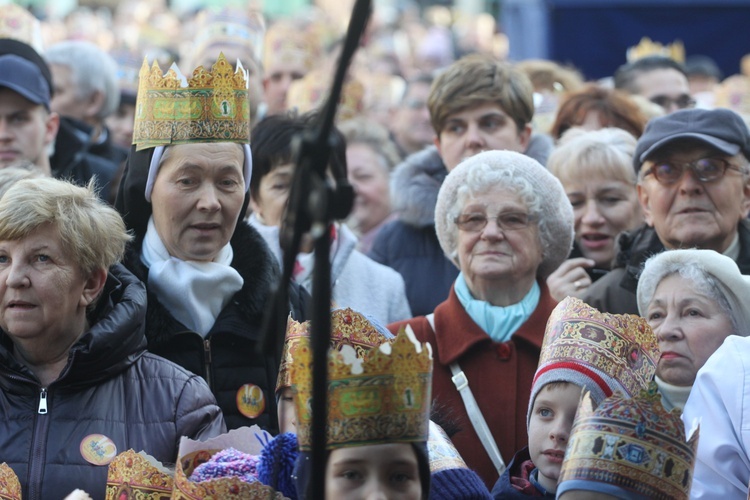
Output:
(414, 187)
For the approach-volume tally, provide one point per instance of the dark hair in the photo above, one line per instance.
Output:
(615, 109)
(273, 144)
(699, 65)
(626, 74)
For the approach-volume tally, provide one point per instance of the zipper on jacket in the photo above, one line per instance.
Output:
(207, 361)
(39, 447)
(43, 401)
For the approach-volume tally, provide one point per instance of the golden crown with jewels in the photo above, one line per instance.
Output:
(384, 398)
(210, 106)
(630, 444)
(348, 327)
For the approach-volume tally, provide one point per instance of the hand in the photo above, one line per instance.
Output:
(570, 279)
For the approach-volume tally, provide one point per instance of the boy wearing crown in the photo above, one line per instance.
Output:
(583, 350)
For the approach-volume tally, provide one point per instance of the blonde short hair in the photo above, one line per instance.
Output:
(478, 79)
(607, 153)
(90, 230)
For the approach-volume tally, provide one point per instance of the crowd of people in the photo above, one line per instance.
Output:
(540, 289)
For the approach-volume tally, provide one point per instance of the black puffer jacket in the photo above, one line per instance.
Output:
(228, 358)
(616, 292)
(110, 386)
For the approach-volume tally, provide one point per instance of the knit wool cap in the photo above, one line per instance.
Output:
(731, 283)
(555, 217)
(721, 129)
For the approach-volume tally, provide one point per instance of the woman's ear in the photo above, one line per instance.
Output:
(93, 287)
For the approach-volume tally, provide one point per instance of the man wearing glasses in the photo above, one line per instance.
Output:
(694, 188)
(659, 79)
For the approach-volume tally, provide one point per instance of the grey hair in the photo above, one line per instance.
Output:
(693, 270)
(92, 70)
(539, 190)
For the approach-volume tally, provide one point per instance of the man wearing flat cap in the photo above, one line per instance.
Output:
(694, 188)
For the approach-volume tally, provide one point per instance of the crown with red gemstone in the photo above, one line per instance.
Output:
(210, 106)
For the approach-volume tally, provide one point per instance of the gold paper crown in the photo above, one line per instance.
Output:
(231, 26)
(213, 107)
(348, 327)
(386, 399)
(616, 351)
(646, 47)
(310, 92)
(442, 453)
(630, 443)
(20, 24)
(288, 42)
(135, 476)
(10, 487)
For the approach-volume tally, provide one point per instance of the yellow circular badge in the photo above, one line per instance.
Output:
(98, 449)
(250, 400)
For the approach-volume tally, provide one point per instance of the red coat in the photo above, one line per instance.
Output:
(499, 375)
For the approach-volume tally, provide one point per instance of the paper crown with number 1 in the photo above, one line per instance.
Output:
(210, 106)
(384, 399)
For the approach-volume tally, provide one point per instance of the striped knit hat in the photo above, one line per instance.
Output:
(602, 353)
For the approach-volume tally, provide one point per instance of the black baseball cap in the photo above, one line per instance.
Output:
(23, 70)
(722, 129)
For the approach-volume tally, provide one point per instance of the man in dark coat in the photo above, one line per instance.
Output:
(693, 186)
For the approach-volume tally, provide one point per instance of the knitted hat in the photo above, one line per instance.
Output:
(723, 270)
(508, 170)
(629, 448)
(600, 352)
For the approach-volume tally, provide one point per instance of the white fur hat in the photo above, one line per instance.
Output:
(731, 283)
(516, 172)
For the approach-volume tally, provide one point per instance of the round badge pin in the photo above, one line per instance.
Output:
(98, 449)
(250, 400)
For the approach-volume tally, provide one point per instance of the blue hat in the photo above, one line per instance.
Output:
(24, 77)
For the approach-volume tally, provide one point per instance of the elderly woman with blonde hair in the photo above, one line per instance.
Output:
(505, 222)
(76, 383)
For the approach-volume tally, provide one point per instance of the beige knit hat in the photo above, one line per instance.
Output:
(723, 270)
(544, 196)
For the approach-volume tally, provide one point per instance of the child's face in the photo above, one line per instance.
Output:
(549, 429)
(373, 471)
(287, 411)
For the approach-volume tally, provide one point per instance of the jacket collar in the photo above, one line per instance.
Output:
(640, 244)
(114, 342)
(451, 347)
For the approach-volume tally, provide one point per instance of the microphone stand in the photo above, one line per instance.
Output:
(313, 205)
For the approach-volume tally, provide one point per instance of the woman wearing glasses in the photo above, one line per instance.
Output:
(506, 223)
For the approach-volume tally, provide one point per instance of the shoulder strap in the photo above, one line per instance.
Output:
(475, 414)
